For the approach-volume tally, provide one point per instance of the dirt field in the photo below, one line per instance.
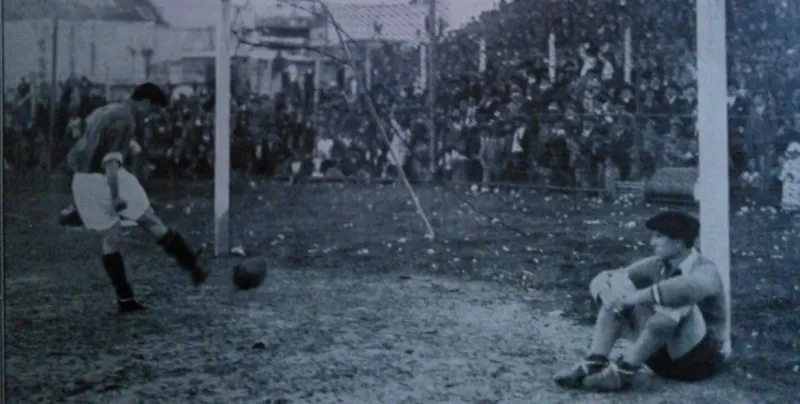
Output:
(359, 307)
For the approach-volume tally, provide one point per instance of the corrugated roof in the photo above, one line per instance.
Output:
(82, 10)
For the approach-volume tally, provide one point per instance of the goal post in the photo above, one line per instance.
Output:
(222, 132)
(712, 128)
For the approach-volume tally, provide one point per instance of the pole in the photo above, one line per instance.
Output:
(34, 98)
(551, 56)
(72, 67)
(3, 378)
(432, 35)
(482, 56)
(317, 80)
(270, 65)
(712, 124)
(108, 83)
(628, 55)
(53, 99)
(222, 152)
(93, 52)
(368, 68)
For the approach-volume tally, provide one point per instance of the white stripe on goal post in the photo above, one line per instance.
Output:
(712, 125)
(222, 132)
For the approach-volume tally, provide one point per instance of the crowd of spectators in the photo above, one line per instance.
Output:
(569, 120)
(654, 111)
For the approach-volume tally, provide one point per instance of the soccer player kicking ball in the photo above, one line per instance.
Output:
(673, 300)
(105, 193)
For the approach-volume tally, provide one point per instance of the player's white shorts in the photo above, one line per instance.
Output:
(92, 197)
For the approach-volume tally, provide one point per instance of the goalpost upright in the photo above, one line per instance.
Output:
(222, 131)
(712, 125)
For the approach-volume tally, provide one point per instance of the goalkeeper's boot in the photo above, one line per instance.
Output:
(617, 376)
(573, 377)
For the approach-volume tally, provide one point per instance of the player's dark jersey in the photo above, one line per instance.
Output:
(109, 129)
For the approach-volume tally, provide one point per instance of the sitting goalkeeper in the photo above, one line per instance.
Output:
(673, 300)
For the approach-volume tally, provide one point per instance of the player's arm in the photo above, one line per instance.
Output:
(681, 291)
(111, 166)
(639, 275)
(688, 289)
(119, 135)
(643, 272)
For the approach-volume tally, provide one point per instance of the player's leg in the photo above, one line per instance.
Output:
(114, 265)
(652, 334)
(690, 353)
(92, 201)
(607, 286)
(139, 210)
(175, 245)
(607, 329)
(664, 333)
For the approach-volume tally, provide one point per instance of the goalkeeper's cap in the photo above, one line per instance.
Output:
(675, 225)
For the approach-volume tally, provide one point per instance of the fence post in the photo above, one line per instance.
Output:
(551, 56)
(432, 89)
(53, 101)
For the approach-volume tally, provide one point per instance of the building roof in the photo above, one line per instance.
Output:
(82, 10)
(401, 21)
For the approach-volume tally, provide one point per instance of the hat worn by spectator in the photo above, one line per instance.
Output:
(675, 225)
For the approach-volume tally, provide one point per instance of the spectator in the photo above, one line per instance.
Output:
(761, 136)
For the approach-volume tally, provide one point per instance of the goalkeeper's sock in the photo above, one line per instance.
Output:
(115, 268)
(596, 362)
(174, 244)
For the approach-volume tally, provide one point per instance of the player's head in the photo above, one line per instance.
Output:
(673, 233)
(148, 96)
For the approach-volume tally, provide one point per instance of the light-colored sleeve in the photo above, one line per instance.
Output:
(675, 313)
(643, 273)
(689, 289)
(617, 283)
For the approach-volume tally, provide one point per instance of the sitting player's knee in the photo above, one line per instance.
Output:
(661, 324)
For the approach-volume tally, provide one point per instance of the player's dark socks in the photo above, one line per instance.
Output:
(115, 268)
(130, 306)
(174, 244)
(597, 361)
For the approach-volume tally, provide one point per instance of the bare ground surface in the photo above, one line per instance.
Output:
(358, 306)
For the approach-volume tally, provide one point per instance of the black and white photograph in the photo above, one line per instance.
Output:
(400, 201)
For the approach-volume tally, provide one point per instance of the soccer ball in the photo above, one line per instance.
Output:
(250, 273)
